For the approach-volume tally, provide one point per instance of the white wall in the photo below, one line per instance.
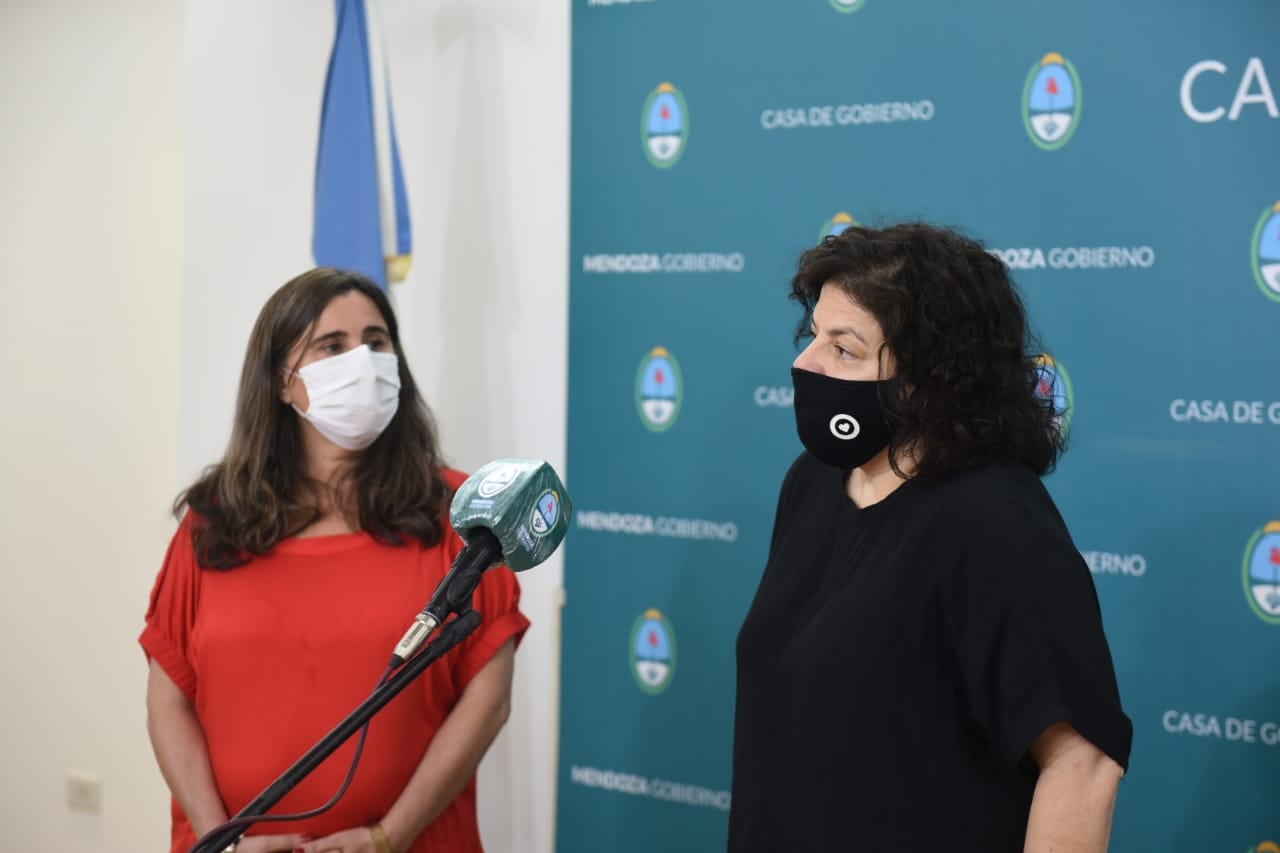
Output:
(483, 317)
(91, 271)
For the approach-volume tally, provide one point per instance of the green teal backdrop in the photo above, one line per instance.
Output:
(1121, 158)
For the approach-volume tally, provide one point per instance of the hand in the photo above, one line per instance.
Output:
(271, 843)
(359, 840)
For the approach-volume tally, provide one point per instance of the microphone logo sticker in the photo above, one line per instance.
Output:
(498, 480)
(659, 389)
(845, 427)
(545, 513)
(1262, 573)
(653, 652)
(837, 224)
(1051, 102)
(664, 128)
(1266, 252)
(1054, 386)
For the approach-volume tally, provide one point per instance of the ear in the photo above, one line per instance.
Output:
(284, 381)
(887, 364)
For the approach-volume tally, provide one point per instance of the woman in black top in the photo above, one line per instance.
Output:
(924, 664)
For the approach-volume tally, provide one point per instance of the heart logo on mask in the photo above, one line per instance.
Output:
(845, 427)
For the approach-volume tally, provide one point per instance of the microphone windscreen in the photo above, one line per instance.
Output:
(523, 503)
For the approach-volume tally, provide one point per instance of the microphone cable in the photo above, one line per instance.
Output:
(319, 810)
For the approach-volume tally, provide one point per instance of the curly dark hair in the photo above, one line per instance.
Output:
(254, 497)
(964, 391)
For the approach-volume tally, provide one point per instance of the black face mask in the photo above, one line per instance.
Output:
(840, 421)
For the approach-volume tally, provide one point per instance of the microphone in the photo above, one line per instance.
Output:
(511, 510)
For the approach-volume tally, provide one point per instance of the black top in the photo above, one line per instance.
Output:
(899, 660)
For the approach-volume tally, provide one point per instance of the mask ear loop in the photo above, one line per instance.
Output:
(287, 370)
(287, 375)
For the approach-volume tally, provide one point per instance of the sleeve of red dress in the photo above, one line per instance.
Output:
(497, 599)
(172, 611)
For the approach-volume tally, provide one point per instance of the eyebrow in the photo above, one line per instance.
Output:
(339, 334)
(846, 330)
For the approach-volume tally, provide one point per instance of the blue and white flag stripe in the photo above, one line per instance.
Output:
(361, 207)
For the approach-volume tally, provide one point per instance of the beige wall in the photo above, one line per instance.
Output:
(91, 253)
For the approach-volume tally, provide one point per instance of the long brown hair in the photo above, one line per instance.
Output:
(252, 499)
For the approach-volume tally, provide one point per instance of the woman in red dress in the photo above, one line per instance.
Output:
(299, 560)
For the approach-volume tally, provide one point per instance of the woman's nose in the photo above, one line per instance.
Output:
(806, 361)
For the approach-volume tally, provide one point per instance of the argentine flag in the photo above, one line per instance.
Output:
(361, 210)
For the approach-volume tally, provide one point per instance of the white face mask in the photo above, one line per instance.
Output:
(353, 396)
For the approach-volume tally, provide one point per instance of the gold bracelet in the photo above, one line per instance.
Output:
(380, 839)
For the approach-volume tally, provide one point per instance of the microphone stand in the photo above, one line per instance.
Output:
(450, 635)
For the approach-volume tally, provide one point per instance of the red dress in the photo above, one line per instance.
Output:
(274, 653)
